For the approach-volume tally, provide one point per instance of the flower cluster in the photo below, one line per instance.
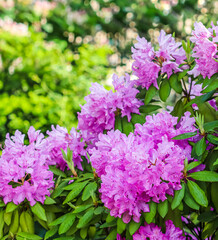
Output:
(98, 114)
(205, 51)
(153, 232)
(23, 169)
(18, 29)
(141, 167)
(58, 139)
(148, 62)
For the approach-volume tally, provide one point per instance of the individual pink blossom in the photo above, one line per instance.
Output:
(143, 166)
(153, 232)
(58, 139)
(7, 4)
(149, 63)
(24, 173)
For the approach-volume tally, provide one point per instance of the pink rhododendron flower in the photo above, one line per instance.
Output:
(205, 51)
(58, 139)
(153, 232)
(43, 7)
(98, 114)
(148, 63)
(23, 169)
(141, 167)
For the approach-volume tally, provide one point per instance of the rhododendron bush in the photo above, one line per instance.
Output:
(135, 168)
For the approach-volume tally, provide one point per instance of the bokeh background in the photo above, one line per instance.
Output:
(51, 51)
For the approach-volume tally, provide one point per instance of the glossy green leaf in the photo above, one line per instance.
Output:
(175, 83)
(127, 126)
(197, 193)
(29, 236)
(200, 146)
(205, 176)
(91, 187)
(185, 135)
(86, 218)
(178, 196)
(149, 216)
(121, 226)
(133, 227)
(76, 190)
(150, 94)
(162, 208)
(164, 90)
(67, 223)
(10, 207)
(39, 211)
(188, 199)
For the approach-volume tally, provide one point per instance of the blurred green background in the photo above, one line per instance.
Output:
(51, 51)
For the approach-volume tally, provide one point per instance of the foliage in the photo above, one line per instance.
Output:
(42, 83)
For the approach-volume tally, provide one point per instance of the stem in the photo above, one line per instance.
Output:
(186, 91)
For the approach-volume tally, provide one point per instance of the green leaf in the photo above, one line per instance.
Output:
(59, 220)
(91, 187)
(213, 139)
(200, 146)
(205, 176)
(193, 165)
(49, 201)
(29, 236)
(77, 188)
(179, 195)
(112, 235)
(67, 223)
(82, 208)
(127, 126)
(51, 232)
(200, 99)
(212, 86)
(10, 207)
(209, 126)
(136, 118)
(178, 109)
(150, 94)
(148, 108)
(164, 90)
(133, 227)
(86, 218)
(182, 74)
(59, 189)
(149, 216)
(99, 210)
(185, 135)
(197, 193)
(83, 232)
(118, 123)
(188, 199)
(175, 84)
(207, 216)
(39, 211)
(121, 226)
(57, 171)
(109, 224)
(162, 208)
